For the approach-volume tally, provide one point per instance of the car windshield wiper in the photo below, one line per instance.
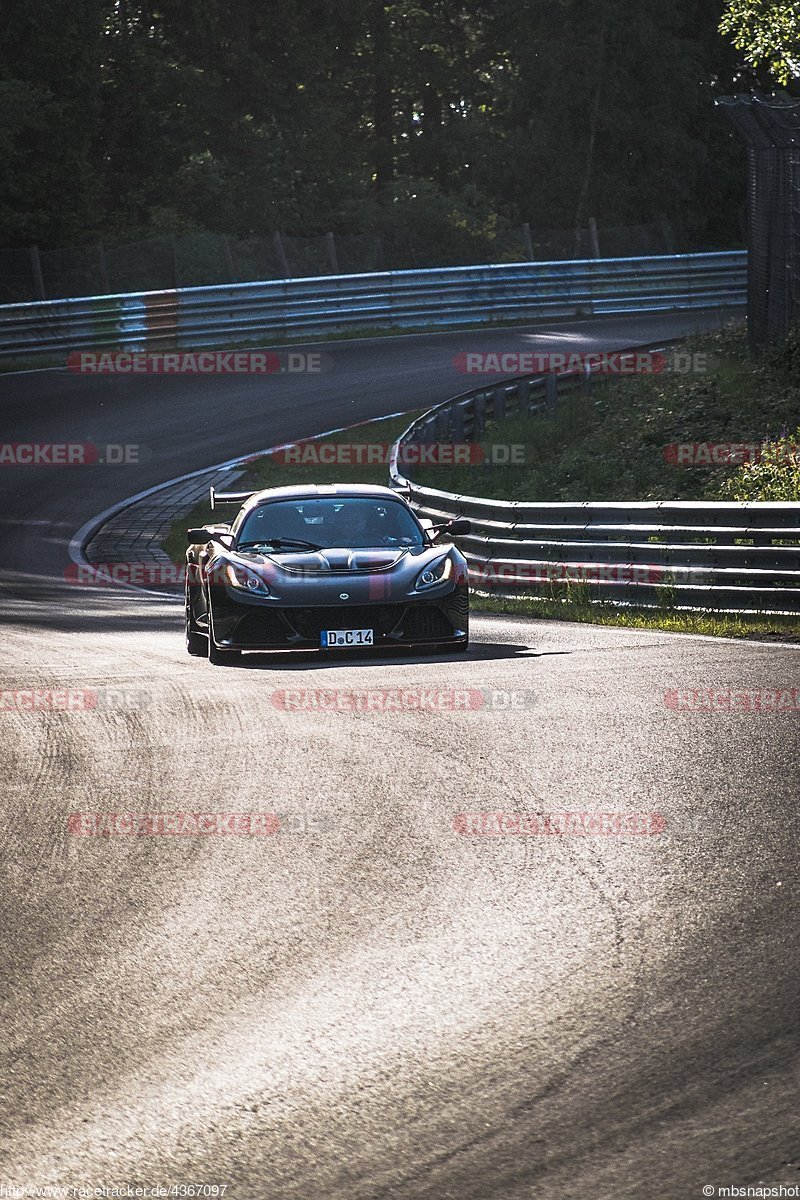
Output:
(278, 542)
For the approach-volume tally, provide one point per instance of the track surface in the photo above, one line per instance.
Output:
(383, 1007)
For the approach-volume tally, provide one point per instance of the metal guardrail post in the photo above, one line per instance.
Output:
(283, 261)
(593, 238)
(228, 256)
(36, 270)
(102, 267)
(330, 242)
(479, 416)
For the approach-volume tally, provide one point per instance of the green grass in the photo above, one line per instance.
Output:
(760, 627)
(265, 472)
(609, 444)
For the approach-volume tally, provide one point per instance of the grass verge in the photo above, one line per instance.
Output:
(610, 444)
(757, 627)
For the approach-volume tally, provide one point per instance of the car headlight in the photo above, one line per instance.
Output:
(245, 580)
(438, 572)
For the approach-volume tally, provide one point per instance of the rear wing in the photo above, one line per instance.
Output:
(215, 498)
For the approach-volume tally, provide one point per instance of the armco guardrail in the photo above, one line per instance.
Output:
(239, 313)
(696, 554)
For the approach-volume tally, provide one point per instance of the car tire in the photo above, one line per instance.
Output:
(221, 658)
(196, 643)
(453, 647)
(217, 657)
(446, 647)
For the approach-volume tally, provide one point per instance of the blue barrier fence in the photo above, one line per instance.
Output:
(258, 313)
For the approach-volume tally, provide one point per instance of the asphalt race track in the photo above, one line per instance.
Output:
(372, 1002)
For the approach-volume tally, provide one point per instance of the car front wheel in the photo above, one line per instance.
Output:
(196, 644)
(219, 658)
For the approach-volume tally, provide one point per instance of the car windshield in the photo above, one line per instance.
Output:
(348, 522)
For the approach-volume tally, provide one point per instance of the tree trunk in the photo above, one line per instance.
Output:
(593, 122)
(382, 98)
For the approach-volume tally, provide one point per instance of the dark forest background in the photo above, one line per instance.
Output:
(241, 117)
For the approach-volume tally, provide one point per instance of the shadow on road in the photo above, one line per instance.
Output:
(313, 660)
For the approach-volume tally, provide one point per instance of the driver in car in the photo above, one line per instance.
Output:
(355, 525)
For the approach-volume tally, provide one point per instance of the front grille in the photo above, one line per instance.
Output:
(309, 622)
(426, 622)
(262, 627)
(284, 626)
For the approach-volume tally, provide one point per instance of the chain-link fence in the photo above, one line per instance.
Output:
(770, 126)
(198, 260)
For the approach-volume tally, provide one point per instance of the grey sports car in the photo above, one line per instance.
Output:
(323, 569)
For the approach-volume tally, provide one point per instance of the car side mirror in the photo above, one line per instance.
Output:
(199, 537)
(452, 528)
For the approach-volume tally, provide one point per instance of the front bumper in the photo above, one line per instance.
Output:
(247, 625)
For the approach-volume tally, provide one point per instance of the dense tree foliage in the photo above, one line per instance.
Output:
(458, 119)
(769, 34)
